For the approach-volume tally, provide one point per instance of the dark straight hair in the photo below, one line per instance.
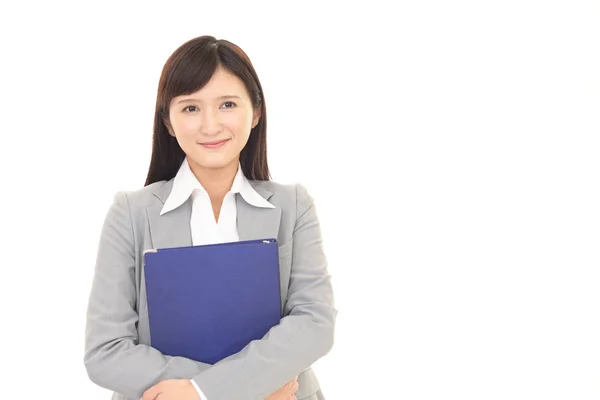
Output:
(187, 70)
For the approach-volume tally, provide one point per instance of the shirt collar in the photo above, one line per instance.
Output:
(185, 183)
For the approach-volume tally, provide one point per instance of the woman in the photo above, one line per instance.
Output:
(208, 182)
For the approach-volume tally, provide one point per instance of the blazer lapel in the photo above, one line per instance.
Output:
(257, 222)
(171, 229)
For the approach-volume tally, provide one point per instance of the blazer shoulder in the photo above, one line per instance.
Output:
(142, 197)
(285, 195)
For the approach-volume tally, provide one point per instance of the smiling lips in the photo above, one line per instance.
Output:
(215, 144)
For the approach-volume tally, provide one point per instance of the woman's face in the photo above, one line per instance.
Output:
(212, 125)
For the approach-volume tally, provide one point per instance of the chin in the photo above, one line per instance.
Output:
(214, 162)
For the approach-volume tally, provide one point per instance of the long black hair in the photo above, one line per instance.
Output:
(187, 70)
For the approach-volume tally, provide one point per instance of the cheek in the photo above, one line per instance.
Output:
(239, 125)
(187, 126)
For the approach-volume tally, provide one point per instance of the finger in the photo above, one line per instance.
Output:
(152, 393)
(294, 388)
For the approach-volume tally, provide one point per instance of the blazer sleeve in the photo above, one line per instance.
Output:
(113, 358)
(301, 338)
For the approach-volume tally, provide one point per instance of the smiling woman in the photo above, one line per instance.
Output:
(209, 182)
(214, 121)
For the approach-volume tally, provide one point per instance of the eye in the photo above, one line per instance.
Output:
(194, 108)
(229, 104)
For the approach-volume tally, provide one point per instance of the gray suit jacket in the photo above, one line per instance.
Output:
(118, 355)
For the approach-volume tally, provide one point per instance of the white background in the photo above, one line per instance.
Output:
(451, 147)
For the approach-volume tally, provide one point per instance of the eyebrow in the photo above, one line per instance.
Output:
(229, 96)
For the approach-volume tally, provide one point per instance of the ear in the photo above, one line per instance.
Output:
(256, 118)
(169, 127)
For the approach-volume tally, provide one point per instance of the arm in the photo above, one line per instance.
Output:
(113, 357)
(301, 338)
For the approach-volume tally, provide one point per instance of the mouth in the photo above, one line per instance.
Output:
(214, 144)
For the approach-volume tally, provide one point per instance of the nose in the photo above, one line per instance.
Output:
(211, 123)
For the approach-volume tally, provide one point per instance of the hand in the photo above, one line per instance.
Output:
(172, 389)
(286, 392)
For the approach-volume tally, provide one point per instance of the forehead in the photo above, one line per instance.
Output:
(222, 83)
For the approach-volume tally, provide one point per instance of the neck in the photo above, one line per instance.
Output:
(217, 182)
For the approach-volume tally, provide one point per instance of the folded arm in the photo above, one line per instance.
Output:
(302, 337)
(113, 357)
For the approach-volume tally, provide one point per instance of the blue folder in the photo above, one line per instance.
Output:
(208, 302)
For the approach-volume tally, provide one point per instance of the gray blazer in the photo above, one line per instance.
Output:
(118, 355)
